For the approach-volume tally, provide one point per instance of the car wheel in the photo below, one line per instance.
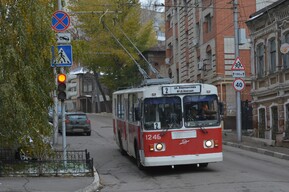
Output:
(88, 134)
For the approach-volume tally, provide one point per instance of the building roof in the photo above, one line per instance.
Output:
(156, 48)
(79, 70)
(266, 9)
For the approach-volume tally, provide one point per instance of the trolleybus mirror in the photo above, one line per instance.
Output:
(221, 108)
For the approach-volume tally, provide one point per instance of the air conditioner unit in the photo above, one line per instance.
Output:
(195, 42)
(200, 65)
(167, 60)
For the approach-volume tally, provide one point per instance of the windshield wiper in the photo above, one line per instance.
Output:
(173, 123)
(164, 131)
(203, 129)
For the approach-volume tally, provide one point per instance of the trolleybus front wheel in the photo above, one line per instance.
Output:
(122, 151)
(137, 157)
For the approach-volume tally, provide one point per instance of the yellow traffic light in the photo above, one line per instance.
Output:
(61, 78)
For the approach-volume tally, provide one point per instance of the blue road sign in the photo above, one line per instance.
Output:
(61, 56)
(60, 21)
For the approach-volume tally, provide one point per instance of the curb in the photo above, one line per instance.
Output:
(93, 186)
(258, 150)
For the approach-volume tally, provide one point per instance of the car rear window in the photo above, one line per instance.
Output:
(76, 117)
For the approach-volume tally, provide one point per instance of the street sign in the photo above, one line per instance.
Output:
(63, 38)
(238, 74)
(60, 21)
(237, 65)
(63, 58)
(239, 84)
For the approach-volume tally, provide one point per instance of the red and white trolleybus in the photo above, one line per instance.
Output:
(169, 124)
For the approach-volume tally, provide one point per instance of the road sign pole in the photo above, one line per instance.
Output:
(238, 94)
(63, 113)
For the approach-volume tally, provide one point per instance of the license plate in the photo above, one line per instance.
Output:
(77, 130)
(184, 134)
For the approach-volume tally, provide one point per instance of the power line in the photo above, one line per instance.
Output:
(190, 6)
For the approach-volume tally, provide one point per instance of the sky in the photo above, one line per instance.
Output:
(145, 2)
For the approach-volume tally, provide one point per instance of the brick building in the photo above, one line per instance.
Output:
(200, 46)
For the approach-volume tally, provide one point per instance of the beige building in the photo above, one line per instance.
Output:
(269, 28)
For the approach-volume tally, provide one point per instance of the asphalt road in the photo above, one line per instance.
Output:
(241, 171)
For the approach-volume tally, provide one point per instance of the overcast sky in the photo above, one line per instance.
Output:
(145, 3)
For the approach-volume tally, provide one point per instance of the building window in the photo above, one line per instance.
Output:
(272, 56)
(209, 59)
(286, 56)
(261, 123)
(260, 60)
(274, 118)
(87, 86)
(198, 32)
(170, 20)
(208, 23)
(287, 122)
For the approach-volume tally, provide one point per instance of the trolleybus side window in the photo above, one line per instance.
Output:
(201, 110)
(132, 107)
(162, 113)
(120, 107)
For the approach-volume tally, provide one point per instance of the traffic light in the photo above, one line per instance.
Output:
(61, 79)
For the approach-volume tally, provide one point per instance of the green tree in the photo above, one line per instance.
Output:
(26, 80)
(99, 51)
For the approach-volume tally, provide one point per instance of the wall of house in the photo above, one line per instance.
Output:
(270, 74)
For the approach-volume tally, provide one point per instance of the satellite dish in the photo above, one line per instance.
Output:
(284, 48)
(167, 61)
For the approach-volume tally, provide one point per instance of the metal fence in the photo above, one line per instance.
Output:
(77, 163)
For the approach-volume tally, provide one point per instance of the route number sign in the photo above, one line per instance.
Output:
(239, 84)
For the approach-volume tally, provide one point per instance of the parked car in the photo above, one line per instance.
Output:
(50, 113)
(76, 122)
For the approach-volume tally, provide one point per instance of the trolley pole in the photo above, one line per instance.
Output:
(238, 94)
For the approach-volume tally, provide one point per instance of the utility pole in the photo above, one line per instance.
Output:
(55, 100)
(238, 93)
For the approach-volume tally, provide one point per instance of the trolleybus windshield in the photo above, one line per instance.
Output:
(162, 113)
(201, 110)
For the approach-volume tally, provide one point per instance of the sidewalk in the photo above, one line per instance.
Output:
(255, 145)
(49, 184)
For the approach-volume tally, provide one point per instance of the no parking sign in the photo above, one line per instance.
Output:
(60, 21)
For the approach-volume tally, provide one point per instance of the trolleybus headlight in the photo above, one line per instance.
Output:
(208, 143)
(159, 146)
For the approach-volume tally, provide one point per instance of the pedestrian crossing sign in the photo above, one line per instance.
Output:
(61, 56)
